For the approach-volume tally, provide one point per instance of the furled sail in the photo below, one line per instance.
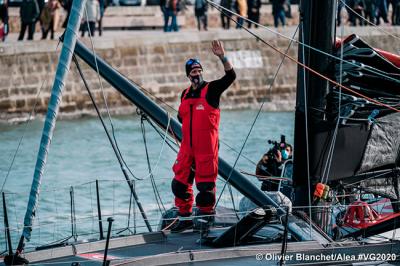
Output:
(70, 37)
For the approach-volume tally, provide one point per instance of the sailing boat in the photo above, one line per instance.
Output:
(270, 232)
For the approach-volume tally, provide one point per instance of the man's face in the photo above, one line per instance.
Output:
(195, 76)
(289, 150)
(196, 71)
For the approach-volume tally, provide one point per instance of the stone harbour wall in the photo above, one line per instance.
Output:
(156, 63)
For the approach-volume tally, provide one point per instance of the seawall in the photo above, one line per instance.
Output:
(155, 61)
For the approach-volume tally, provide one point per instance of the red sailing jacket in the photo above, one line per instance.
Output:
(200, 123)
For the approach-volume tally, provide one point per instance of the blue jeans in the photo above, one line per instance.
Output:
(280, 16)
(239, 23)
(174, 25)
(166, 18)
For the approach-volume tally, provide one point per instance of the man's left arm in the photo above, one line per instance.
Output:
(217, 87)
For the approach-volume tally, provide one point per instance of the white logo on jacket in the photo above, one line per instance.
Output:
(200, 107)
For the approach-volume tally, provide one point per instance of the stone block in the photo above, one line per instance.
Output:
(20, 103)
(31, 102)
(166, 89)
(158, 50)
(241, 92)
(6, 104)
(5, 82)
(29, 90)
(128, 51)
(68, 108)
(156, 59)
(160, 79)
(132, 61)
(3, 93)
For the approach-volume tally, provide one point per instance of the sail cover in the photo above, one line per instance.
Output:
(383, 144)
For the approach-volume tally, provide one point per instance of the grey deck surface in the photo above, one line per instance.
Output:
(178, 248)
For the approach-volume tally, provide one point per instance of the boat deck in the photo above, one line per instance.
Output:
(159, 248)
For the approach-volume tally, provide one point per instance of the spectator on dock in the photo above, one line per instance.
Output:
(395, 11)
(103, 5)
(339, 13)
(173, 7)
(278, 11)
(3, 20)
(369, 11)
(67, 5)
(358, 12)
(226, 15)
(164, 10)
(49, 18)
(381, 11)
(242, 11)
(253, 12)
(200, 11)
(91, 16)
(29, 13)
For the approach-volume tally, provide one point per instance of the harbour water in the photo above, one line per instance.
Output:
(80, 153)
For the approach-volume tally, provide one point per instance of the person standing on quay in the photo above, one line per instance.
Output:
(172, 9)
(91, 16)
(278, 11)
(49, 18)
(242, 10)
(197, 158)
(253, 12)
(225, 15)
(29, 13)
(200, 11)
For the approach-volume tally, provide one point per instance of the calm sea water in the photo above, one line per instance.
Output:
(80, 153)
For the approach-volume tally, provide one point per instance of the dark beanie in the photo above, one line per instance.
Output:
(192, 64)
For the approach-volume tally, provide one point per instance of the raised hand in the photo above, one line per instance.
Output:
(218, 48)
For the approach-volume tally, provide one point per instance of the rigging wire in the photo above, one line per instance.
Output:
(219, 7)
(110, 119)
(306, 67)
(162, 146)
(26, 126)
(105, 99)
(306, 130)
(259, 110)
(333, 142)
(112, 142)
(23, 135)
(153, 183)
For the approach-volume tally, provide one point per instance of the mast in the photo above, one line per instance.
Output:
(317, 29)
(70, 37)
